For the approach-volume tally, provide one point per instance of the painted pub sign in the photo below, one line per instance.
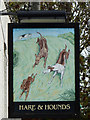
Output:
(43, 70)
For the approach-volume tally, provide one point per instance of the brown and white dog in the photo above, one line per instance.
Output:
(59, 67)
(25, 86)
(43, 50)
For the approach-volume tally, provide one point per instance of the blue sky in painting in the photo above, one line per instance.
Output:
(44, 31)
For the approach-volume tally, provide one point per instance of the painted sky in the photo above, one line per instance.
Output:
(44, 31)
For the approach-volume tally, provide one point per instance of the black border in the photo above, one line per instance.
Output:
(43, 114)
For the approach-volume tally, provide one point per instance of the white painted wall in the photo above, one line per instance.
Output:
(4, 20)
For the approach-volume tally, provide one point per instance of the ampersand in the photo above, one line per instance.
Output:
(40, 107)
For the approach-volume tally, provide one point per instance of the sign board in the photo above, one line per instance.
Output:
(43, 70)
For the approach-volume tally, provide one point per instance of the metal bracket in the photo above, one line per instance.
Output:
(40, 15)
(11, 119)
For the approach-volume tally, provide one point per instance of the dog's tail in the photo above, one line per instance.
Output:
(39, 34)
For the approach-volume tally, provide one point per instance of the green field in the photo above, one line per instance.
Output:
(23, 60)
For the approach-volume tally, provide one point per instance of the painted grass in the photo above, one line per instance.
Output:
(40, 90)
